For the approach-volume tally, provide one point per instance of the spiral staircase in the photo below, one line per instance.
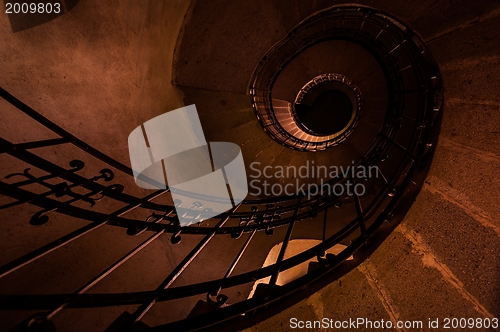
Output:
(85, 249)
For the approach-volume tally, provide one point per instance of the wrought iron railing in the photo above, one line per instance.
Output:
(67, 190)
(399, 50)
(356, 100)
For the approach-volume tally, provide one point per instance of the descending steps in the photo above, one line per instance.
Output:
(441, 262)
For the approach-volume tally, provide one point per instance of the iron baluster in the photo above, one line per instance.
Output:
(281, 255)
(144, 308)
(64, 240)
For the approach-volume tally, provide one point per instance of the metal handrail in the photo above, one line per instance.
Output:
(252, 215)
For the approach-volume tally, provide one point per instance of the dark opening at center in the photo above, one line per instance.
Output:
(329, 113)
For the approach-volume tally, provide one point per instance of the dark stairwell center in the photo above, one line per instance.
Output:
(329, 113)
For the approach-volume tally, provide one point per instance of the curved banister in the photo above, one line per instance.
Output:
(253, 215)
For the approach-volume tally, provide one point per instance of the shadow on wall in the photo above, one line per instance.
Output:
(29, 14)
